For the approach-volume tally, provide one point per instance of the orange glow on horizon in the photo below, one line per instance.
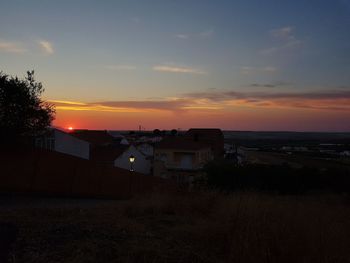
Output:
(237, 118)
(231, 114)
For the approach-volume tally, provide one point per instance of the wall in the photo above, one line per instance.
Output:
(52, 173)
(174, 157)
(65, 143)
(176, 168)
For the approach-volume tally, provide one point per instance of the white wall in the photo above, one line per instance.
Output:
(68, 144)
(146, 149)
(140, 165)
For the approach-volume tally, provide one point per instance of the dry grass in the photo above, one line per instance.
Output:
(194, 227)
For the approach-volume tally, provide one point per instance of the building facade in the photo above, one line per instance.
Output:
(60, 141)
(180, 159)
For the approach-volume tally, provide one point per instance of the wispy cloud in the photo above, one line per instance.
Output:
(12, 47)
(169, 104)
(328, 100)
(324, 100)
(178, 69)
(120, 67)
(270, 85)
(46, 47)
(182, 36)
(67, 102)
(284, 33)
(256, 85)
(201, 35)
(286, 38)
(207, 33)
(253, 70)
(269, 69)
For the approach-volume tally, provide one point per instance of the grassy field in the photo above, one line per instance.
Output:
(185, 227)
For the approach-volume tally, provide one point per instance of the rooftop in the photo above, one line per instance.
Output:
(181, 143)
(93, 136)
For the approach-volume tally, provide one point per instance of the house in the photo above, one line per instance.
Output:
(106, 155)
(94, 137)
(180, 158)
(118, 138)
(119, 156)
(142, 163)
(146, 149)
(60, 141)
(212, 137)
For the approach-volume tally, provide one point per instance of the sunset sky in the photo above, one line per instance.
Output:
(236, 65)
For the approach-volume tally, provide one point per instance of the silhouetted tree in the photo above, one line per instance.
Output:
(173, 132)
(22, 112)
(156, 132)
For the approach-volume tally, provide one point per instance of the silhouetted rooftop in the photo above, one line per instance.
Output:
(93, 136)
(181, 143)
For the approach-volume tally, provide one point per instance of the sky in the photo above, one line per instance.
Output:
(274, 65)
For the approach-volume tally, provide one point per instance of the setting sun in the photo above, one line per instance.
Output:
(70, 128)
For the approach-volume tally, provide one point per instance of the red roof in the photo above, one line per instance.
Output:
(181, 143)
(94, 137)
(214, 137)
(107, 154)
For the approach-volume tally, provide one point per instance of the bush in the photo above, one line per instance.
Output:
(283, 179)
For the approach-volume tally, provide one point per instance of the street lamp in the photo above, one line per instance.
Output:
(131, 160)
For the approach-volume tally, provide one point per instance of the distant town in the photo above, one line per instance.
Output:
(181, 155)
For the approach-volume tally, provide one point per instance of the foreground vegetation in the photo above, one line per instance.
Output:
(282, 179)
(183, 227)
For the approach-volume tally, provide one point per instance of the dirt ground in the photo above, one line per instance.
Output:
(183, 227)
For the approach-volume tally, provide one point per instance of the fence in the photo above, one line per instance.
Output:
(52, 173)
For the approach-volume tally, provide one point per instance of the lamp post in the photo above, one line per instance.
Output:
(131, 160)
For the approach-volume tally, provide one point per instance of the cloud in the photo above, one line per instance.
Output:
(253, 70)
(284, 33)
(288, 46)
(286, 38)
(269, 69)
(46, 47)
(12, 47)
(182, 36)
(324, 100)
(270, 85)
(178, 69)
(328, 100)
(204, 34)
(207, 33)
(169, 104)
(120, 67)
(64, 102)
(263, 85)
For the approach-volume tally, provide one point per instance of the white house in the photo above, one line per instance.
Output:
(141, 164)
(146, 148)
(63, 142)
(119, 137)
